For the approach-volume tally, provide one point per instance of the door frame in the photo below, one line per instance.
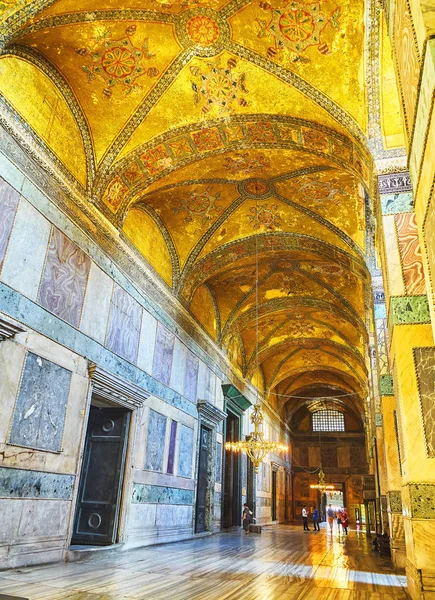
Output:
(121, 393)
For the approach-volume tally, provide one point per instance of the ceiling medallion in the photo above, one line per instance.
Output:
(203, 31)
(256, 188)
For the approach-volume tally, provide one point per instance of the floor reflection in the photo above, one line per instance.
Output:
(282, 563)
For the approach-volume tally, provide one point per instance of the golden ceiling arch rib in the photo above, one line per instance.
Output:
(38, 60)
(304, 343)
(340, 150)
(360, 385)
(232, 317)
(317, 378)
(225, 255)
(286, 304)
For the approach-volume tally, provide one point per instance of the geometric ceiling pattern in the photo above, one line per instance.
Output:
(226, 141)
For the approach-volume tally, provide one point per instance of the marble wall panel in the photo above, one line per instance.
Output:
(147, 342)
(22, 266)
(39, 413)
(397, 203)
(163, 354)
(64, 280)
(410, 253)
(9, 199)
(313, 456)
(329, 456)
(422, 498)
(386, 385)
(343, 457)
(409, 310)
(395, 501)
(425, 367)
(22, 483)
(174, 516)
(185, 452)
(124, 327)
(191, 377)
(96, 306)
(155, 441)
(394, 269)
(178, 367)
(382, 343)
(159, 494)
(218, 462)
(208, 385)
(172, 443)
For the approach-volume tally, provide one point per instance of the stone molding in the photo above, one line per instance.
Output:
(9, 328)
(395, 501)
(114, 388)
(210, 414)
(422, 500)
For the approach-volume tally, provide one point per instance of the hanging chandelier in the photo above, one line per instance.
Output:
(322, 486)
(256, 447)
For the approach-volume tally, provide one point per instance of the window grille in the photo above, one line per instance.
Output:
(328, 420)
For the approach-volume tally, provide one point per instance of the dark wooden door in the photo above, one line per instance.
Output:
(101, 478)
(203, 479)
(273, 495)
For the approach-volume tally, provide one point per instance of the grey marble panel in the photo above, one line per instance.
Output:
(40, 408)
(21, 483)
(8, 207)
(125, 321)
(155, 441)
(163, 354)
(191, 377)
(218, 462)
(185, 452)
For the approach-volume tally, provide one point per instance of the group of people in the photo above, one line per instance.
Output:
(341, 516)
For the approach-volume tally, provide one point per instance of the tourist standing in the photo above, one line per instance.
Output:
(305, 518)
(246, 518)
(315, 519)
(330, 514)
(345, 521)
(339, 519)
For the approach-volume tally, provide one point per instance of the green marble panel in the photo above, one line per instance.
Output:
(386, 386)
(157, 494)
(395, 501)
(422, 497)
(408, 310)
(22, 483)
(397, 203)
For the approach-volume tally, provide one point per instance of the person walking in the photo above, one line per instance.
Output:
(305, 518)
(246, 518)
(339, 520)
(330, 514)
(315, 519)
(345, 521)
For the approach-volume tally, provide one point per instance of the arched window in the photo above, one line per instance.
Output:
(328, 420)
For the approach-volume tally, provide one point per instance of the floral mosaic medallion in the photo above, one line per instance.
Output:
(294, 27)
(202, 30)
(318, 191)
(218, 87)
(118, 62)
(243, 163)
(265, 216)
(199, 205)
(115, 194)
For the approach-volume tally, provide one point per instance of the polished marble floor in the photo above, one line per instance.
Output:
(283, 563)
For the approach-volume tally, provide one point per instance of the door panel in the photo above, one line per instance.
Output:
(101, 477)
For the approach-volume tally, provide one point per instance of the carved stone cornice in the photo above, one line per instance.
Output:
(8, 328)
(114, 388)
(210, 414)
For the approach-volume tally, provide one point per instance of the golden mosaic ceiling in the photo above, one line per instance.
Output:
(209, 133)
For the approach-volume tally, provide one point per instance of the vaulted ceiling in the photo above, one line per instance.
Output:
(224, 140)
